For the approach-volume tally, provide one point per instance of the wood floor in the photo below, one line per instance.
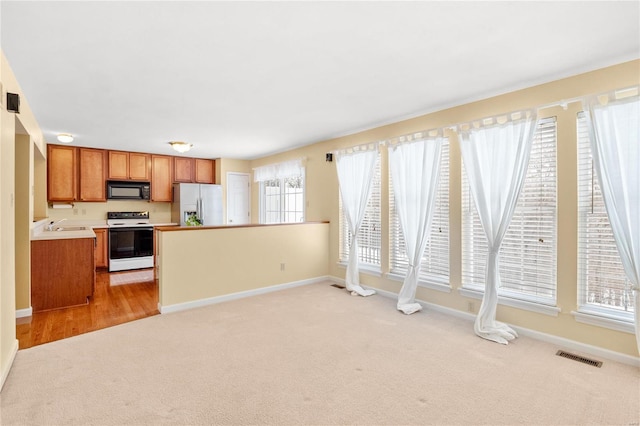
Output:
(109, 306)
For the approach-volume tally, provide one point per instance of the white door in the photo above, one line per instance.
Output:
(238, 199)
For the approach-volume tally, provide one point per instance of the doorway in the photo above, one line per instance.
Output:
(238, 198)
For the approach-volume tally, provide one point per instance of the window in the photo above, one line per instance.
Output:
(434, 267)
(528, 251)
(370, 234)
(282, 200)
(603, 287)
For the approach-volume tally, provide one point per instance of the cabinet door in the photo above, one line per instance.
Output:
(93, 171)
(183, 169)
(118, 165)
(62, 273)
(62, 172)
(161, 178)
(205, 171)
(139, 165)
(102, 260)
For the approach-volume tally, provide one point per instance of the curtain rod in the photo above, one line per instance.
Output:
(564, 103)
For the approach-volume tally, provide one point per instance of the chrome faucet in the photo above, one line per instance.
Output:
(51, 225)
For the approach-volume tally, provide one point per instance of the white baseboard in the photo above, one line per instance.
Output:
(579, 347)
(549, 338)
(239, 295)
(22, 313)
(12, 356)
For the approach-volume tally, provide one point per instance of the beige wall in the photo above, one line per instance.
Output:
(204, 263)
(158, 212)
(322, 198)
(23, 213)
(10, 124)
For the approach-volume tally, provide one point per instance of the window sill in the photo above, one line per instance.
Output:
(365, 268)
(600, 319)
(445, 288)
(514, 303)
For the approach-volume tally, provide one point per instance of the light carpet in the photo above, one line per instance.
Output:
(133, 277)
(309, 355)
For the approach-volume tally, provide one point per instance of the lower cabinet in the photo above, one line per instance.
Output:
(102, 248)
(62, 272)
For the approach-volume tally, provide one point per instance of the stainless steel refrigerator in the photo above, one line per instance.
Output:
(196, 204)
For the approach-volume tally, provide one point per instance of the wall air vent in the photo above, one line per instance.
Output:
(579, 358)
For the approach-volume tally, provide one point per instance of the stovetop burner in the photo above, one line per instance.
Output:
(128, 218)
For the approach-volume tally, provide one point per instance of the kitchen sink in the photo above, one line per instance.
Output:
(71, 228)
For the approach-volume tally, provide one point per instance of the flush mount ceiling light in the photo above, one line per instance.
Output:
(181, 147)
(65, 138)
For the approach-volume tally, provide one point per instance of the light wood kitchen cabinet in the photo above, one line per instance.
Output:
(183, 169)
(161, 179)
(102, 248)
(92, 174)
(139, 166)
(129, 166)
(118, 165)
(205, 171)
(190, 170)
(62, 273)
(62, 173)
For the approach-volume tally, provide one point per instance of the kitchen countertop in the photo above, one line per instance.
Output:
(39, 229)
(62, 235)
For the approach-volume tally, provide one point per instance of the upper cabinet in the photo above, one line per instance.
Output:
(62, 173)
(92, 173)
(129, 166)
(183, 169)
(205, 171)
(161, 182)
(76, 174)
(190, 170)
(80, 174)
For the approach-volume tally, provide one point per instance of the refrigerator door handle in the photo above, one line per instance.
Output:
(202, 210)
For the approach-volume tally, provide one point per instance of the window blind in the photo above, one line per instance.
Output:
(370, 235)
(602, 282)
(434, 266)
(528, 251)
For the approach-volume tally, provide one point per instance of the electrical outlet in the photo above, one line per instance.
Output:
(84, 212)
(471, 307)
(75, 212)
(282, 266)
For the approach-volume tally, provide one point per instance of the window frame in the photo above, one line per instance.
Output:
(398, 262)
(345, 235)
(282, 199)
(591, 208)
(470, 276)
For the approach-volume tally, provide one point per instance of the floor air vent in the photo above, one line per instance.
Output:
(337, 285)
(579, 358)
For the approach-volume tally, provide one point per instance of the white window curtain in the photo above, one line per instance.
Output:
(355, 174)
(614, 128)
(415, 170)
(275, 171)
(495, 152)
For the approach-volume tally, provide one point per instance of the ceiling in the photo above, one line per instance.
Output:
(248, 79)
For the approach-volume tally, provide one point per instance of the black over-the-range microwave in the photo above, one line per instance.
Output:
(117, 190)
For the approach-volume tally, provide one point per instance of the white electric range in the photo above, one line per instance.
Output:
(130, 241)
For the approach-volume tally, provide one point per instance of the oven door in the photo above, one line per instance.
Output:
(128, 244)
